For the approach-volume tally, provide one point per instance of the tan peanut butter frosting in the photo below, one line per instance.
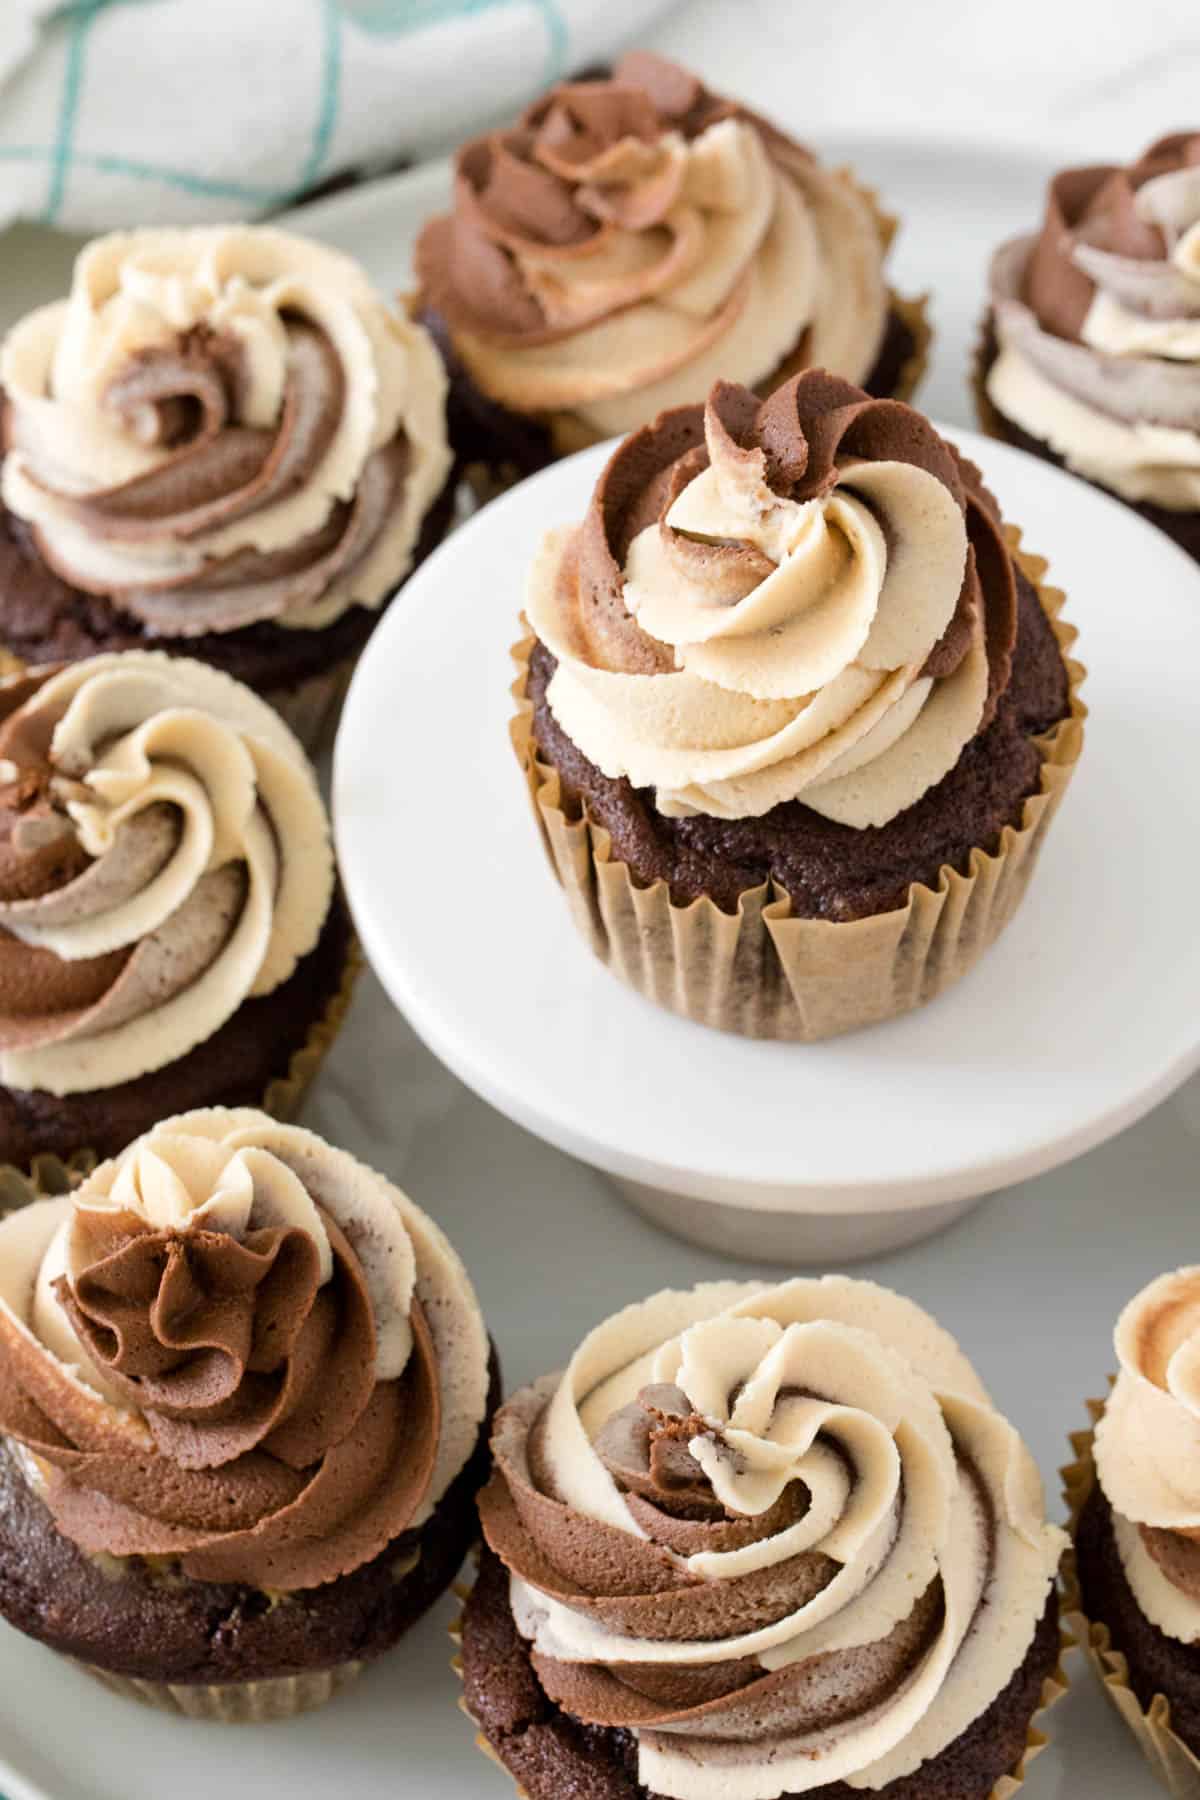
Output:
(631, 240)
(1097, 319)
(804, 598)
(780, 1534)
(1147, 1452)
(223, 426)
(164, 856)
(237, 1347)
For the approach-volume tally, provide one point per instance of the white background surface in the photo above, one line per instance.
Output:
(1032, 1282)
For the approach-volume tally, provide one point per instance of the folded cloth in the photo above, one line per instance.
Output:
(118, 112)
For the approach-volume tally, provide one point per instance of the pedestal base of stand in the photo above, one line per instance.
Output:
(830, 1239)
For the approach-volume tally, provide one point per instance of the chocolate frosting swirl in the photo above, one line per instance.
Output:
(164, 855)
(1147, 1450)
(779, 1534)
(221, 427)
(631, 239)
(1098, 322)
(804, 597)
(239, 1348)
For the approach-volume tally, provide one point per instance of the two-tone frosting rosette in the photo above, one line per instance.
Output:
(796, 713)
(761, 1542)
(170, 930)
(633, 239)
(223, 442)
(1134, 1495)
(1091, 355)
(244, 1393)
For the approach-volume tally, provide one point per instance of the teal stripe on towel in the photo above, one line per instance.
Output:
(79, 25)
(331, 83)
(200, 185)
(558, 40)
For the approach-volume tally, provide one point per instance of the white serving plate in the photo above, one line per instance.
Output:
(1031, 1285)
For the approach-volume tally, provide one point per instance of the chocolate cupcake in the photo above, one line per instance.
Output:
(170, 931)
(1134, 1495)
(245, 1390)
(762, 1542)
(1091, 352)
(629, 242)
(224, 444)
(796, 712)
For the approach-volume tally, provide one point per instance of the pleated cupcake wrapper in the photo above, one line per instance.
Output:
(52, 1175)
(1036, 1740)
(313, 707)
(232, 1703)
(1177, 1767)
(763, 972)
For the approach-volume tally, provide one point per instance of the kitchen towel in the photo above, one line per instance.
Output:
(119, 112)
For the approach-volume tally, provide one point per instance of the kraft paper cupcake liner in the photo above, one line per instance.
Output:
(1036, 1740)
(51, 1175)
(1177, 1767)
(232, 1703)
(762, 972)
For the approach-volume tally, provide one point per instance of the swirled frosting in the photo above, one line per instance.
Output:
(1147, 1450)
(779, 1534)
(164, 856)
(1098, 325)
(632, 240)
(223, 426)
(238, 1348)
(807, 597)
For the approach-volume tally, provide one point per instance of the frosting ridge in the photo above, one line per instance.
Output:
(778, 600)
(1147, 1451)
(630, 240)
(222, 426)
(164, 855)
(237, 1347)
(759, 1528)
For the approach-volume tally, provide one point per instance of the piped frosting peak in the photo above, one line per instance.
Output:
(221, 427)
(238, 1348)
(780, 1534)
(807, 597)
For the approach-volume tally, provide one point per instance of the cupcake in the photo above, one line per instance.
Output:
(1091, 352)
(244, 1398)
(1134, 1494)
(761, 1542)
(170, 932)
(628, 242)
(224, 444)
(796, 712)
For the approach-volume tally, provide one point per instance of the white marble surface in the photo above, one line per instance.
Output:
(551, 1247)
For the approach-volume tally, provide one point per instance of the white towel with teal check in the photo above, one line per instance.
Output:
(119, 112)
